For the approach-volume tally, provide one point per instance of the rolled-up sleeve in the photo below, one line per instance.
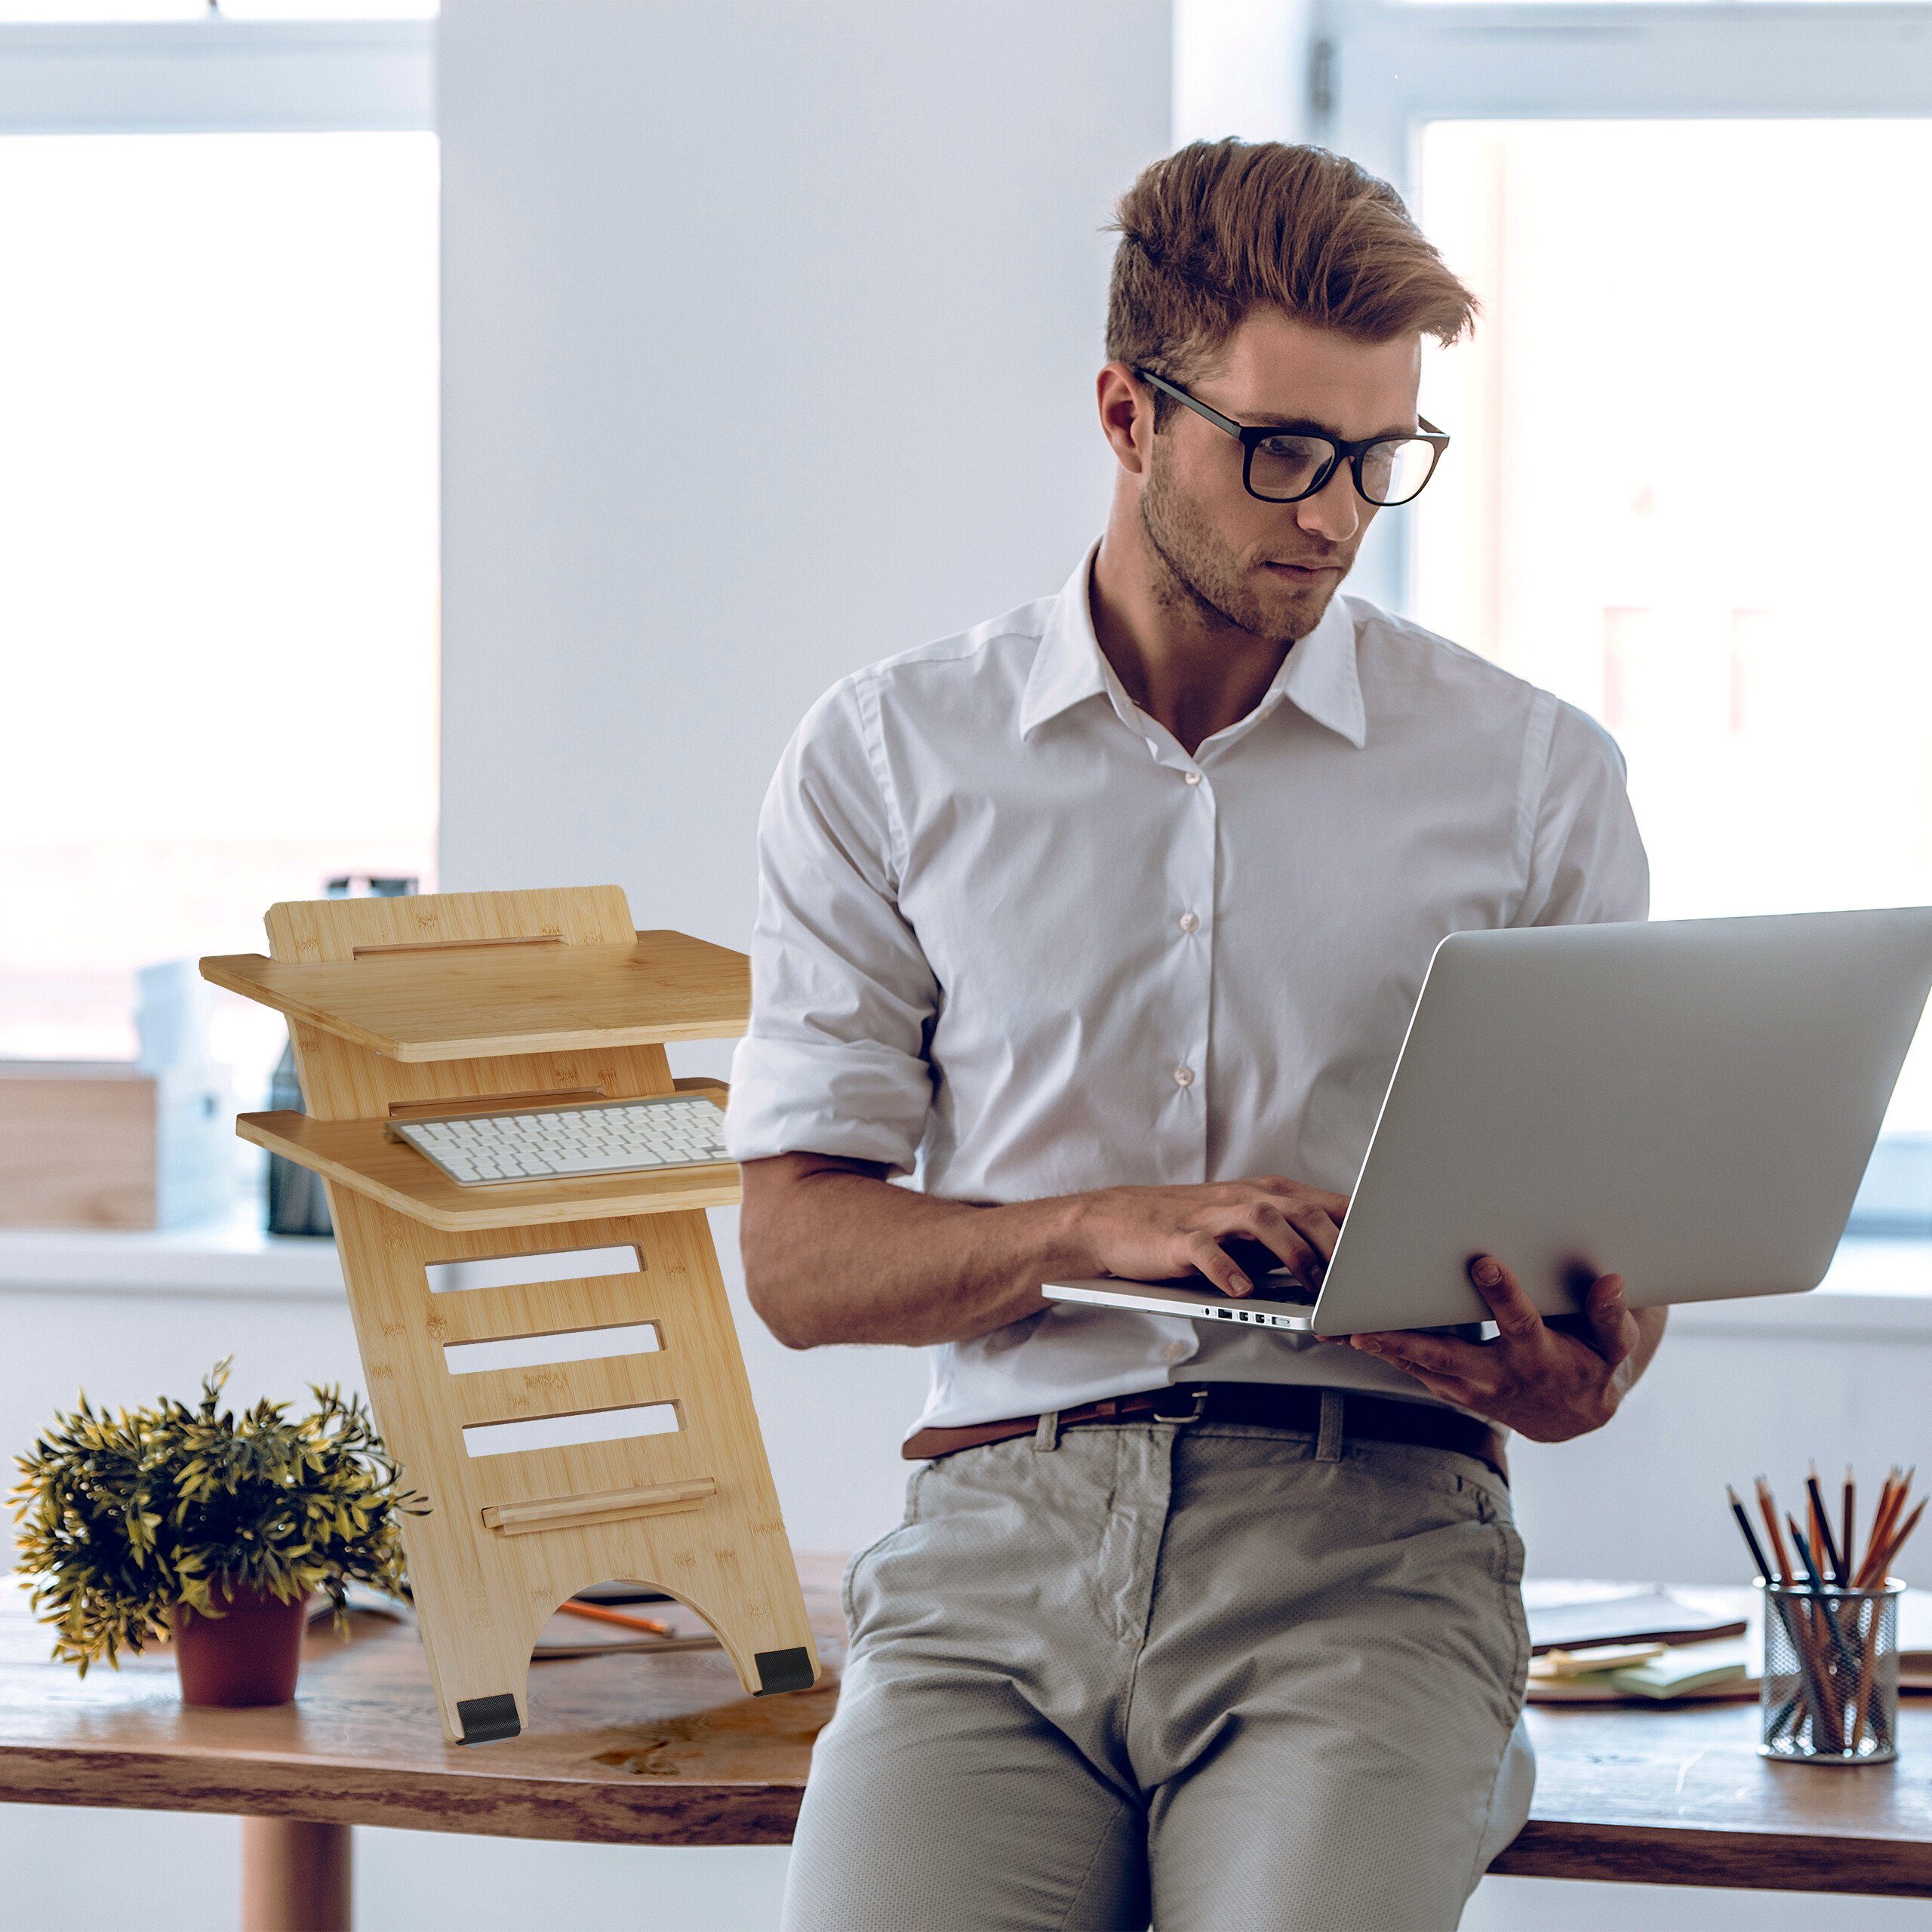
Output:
(1587, 864)
(842, 994)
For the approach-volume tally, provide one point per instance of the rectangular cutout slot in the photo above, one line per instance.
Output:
(517, 1439)
(517, 1271)
(635, 1338)
(452, 944)
(471, 1104)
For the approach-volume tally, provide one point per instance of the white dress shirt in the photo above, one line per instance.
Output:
(1013, 942)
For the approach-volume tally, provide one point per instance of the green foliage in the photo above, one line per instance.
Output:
(123, 1516)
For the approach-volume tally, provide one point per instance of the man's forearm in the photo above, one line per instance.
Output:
(834, 1254)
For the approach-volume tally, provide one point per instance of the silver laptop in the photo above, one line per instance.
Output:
(1689, 1104)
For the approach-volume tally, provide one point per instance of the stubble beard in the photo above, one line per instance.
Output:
(1196, 578)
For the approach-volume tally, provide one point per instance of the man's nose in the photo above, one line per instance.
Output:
(1334, 512)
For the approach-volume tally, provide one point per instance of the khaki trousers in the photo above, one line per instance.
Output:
(1223, 1677)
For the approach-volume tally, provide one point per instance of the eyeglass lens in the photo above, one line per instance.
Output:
(1286, 466)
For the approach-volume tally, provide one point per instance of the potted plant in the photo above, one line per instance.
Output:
(209, 1527)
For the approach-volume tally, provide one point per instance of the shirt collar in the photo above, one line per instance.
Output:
(1068, 666)
(1318, 676)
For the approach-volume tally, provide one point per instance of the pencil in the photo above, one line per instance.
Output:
(1750, 1540)
(1815, 1667)
(1778, 1607)
(1881, 1522)
(1833, 1564)
(1879, 1554)
(1897, 1544)
(597, 1613)
(1766, 1502)
(1820, 1589)
(1846, 1544)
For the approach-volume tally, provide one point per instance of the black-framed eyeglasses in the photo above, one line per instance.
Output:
(1283, 465)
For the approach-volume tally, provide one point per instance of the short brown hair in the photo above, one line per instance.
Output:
(1219, 228)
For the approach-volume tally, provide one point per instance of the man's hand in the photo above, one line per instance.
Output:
(1548, 1382)
(1147, 1233)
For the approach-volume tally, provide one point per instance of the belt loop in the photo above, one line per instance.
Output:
(1328, 1437)
(1046, 1436)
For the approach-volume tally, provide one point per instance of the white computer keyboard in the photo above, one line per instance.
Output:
(606, 1137)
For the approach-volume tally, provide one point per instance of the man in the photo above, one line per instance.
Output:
(1103, 922)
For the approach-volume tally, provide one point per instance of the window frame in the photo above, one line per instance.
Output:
(1380, 70)
(217, 76)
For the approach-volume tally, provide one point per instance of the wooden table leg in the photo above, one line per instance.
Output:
(294, 1876)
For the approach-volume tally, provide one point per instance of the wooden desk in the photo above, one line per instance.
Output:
(669, 1750)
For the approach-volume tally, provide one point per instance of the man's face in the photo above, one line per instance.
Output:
(1270, 568)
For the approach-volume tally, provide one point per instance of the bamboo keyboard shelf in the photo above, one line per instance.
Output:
(491, 997)
(359, 1153)
(596, 1457)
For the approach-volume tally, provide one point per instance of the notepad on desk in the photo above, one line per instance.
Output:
(1688, 1670)
(1638, 1646)
(1634, 1616)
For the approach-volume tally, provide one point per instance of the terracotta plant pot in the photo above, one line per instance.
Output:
(248, 1655)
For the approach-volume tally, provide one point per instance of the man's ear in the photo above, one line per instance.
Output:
(1127, 417)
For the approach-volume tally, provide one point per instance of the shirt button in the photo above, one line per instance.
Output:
(1192, 777)
(1190, 922)
(1176, 1351)
(1183, 1076)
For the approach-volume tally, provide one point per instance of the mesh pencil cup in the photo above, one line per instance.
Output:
(1831, 1676)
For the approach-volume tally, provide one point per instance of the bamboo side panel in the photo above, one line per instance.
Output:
(694, 1511)
(483, 1593)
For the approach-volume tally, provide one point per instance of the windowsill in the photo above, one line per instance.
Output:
(230, 1256)
(1875, 1289)
(1882, 1288)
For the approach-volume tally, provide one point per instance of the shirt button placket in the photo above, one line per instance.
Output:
(1194, 879)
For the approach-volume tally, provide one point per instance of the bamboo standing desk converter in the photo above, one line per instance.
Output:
(481, 1002)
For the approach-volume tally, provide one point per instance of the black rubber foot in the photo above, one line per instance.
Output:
(488, 1719)
(783, 1670)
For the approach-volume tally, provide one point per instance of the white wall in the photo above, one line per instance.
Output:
(768, 339)
(1240, 68)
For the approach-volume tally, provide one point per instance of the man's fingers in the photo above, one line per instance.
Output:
(1404, 1351)
(1514, 1312)
(1317, 1229)
(1334, 1205)
(1267, 1224)
(1609, 1318)
(1207, 1254)
(1435, 1354)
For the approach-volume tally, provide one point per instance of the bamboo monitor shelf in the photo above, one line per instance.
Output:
(498, 996)
(477, 1001)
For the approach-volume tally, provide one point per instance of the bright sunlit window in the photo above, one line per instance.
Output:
(1688, 491)
(218, 577)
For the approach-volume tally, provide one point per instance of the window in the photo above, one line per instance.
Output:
(218, 583)
(1686, 491)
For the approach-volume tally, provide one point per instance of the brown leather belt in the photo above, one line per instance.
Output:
(1294, 1406)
